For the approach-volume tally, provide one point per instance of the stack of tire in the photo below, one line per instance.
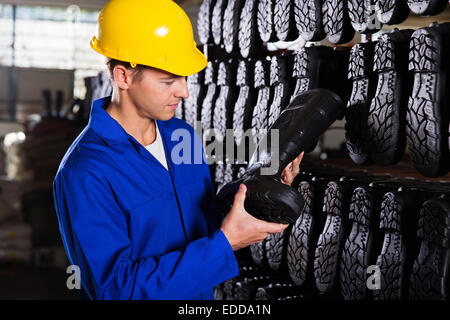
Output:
(397, 98)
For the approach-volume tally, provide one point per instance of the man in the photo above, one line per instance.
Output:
(138, 225)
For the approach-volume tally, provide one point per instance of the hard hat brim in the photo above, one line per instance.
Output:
(186, 65)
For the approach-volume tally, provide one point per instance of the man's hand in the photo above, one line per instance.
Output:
(291, 170)
(241, 229)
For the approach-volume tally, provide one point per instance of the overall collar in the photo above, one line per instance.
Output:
(113, 133)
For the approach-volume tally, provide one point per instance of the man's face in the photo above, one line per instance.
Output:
(156, 93)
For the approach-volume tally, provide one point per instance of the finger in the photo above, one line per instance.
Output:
(296, 165)
(288, 176)
(272, 227)
(239, 197)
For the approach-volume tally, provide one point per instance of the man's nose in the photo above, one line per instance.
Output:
(182, 89)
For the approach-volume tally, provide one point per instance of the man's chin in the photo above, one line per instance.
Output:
(169, 115)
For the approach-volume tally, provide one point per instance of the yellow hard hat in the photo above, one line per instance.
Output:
(155, 33)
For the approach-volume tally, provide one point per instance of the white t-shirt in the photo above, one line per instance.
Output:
(157, 148)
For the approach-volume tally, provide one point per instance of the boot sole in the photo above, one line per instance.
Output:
(429, 278)
(357, 248)
(357, 111)
(308, 18)
(392, 11)
(361, 13)
(427, 7)
(329, 246)
(303, 237)
(336, 22)
(427, 119)
(248, 38)
(393, 255)
(284, 21)
(387, 111)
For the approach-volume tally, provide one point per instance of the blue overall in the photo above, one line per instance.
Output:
(135, 229)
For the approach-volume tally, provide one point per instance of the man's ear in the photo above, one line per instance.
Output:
(122, 77)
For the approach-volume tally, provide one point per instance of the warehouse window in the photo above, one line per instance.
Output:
(50, 38)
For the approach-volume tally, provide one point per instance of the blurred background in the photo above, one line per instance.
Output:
(49, 76)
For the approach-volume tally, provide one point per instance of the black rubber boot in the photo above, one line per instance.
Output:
(246, 288)
(387, 112)
(398, 223)
(249, 41)
(363, 244)
(336, 21)
(226, 100)
(204, 22)
(312, 68)
(278, 291)
(264, 100)
(267, 198)
(197, 91)
(231, 19)
(308, 18)
(266, 9)
(217, 21)
(427, 7)
(427, 119)
(276, 249)
(392, 11)
(284, 20)
(430, 274)
(363, 16)
(305, 233)
(212, 93)
(336, 203)
(280, 81)
(360, 73)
